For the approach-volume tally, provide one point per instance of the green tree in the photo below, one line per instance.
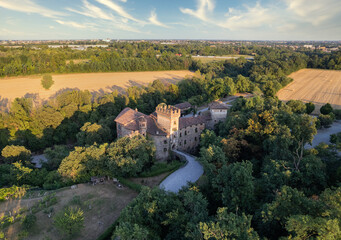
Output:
(236, 185)
(308, 227)
(84, 162)
(326, 109)
(69, 221)
(297, 106)
(128, 231)
(12, 153)
(47, 81)
(310, 107)
(326, 120)
(93, 133)
(228, 226)
(129, 156)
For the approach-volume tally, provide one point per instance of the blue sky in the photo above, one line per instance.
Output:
(171, 19)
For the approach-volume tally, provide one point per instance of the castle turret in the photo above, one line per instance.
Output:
(142, 125)
(168, 117)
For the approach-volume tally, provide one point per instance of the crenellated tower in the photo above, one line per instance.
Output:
(168, 117)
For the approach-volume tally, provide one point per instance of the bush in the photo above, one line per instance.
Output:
(47, 81)
(297, 106)
(326, 109)
(28, 222)
(326, 120)
(70, 221)
(337, 113)
(12, 192)
(310, 107)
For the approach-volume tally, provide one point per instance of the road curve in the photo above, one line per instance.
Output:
(191, 172)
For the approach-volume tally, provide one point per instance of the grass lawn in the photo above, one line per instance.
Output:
(101, 204)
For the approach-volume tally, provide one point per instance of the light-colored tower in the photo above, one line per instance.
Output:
(168, 119)
(142, 125)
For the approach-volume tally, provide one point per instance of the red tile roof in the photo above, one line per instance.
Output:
(190, 121)
(218, 105)
(184, 105)
(129, 118)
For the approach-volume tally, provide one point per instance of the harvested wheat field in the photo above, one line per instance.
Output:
(13, 87)
(314, 85)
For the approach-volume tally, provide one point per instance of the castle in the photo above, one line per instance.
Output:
(168, 128)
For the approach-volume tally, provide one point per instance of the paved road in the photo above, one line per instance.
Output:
(37, 160)
(323, 135)
(180, 178)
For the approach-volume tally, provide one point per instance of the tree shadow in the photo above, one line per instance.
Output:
(4, 104)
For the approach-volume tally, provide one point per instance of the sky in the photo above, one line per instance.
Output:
(171, 19)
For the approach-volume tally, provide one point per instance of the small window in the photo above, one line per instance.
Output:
(185, 133)
(196, 130)
(221, 110)
(174, 122)
(185, 142)
(195, 139)
(179, 143)
(165, 141)
(119, 126)
(180, 135)
(165, 149)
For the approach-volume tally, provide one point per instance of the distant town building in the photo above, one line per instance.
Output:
(167, 128)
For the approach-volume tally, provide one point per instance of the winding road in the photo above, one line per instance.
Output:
(191, 172)
(323, 135)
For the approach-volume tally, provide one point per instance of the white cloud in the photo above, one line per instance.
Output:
(253, 17)
(72, 24)
(153, 20)
(119, 10)
(314, 11)
(203, 7)
(93, 11)
(28, 6)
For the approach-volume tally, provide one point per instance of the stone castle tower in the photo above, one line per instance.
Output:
(168, 119)
(142, 126)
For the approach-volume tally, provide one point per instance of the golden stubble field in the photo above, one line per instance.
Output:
(314, 85)
(13, 87)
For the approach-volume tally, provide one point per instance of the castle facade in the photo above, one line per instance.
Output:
(167, 128)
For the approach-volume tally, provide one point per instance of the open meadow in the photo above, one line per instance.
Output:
(314, 85)
(101, 204)
(13, 87)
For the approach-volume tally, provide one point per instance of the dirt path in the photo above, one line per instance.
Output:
(13, 87)
(314, 85)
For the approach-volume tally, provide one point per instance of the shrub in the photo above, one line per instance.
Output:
(28, 222)
(297, 106)
(47, 81)
(326, 120)
(326, 109)
(310, 107)
(337, 113)
(70, 221)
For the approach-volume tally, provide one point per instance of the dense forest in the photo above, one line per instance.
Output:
(144, 56)
(259, 182)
